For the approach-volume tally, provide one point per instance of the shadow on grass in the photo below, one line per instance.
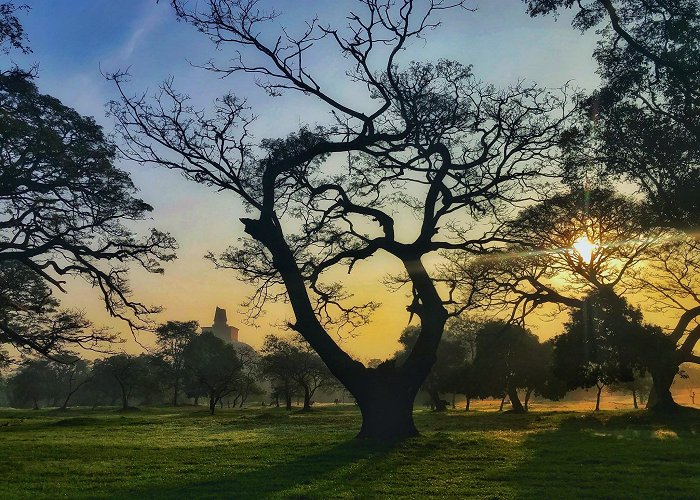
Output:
(315, 474)
(628, 455)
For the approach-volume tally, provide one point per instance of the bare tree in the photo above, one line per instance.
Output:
(430, 140)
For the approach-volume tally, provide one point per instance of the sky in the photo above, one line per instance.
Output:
(75, 41)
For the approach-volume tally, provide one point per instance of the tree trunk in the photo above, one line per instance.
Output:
(503, 402)
(634, 398)
(387, 409)
(515, 401)
(175, 390)
(597, 399)
(453, 400)
(307, 399)
(196, 400)
(469, 400)
(212, 405)
(528, 394)
(437, 403)
(125, 400)
(288, 401)
(660, 397)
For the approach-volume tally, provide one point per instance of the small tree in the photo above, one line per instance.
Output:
(123, 372)
(31, 384)
(598, 345)
(213, 365)
(70, 377)
(292, 363)
(172, 339)
(508, 358)
(452, 357)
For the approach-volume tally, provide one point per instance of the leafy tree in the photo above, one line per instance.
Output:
(121, 373)
(251, 374)
(31, 384)
(30, 318)
(69, 378)
(638, 388)
(291, 363)
(598, 345)
(172, 339)
(213, 365)
(64, 205)
(12, 35)
(428, 139)
(508, 358)
(643, 124)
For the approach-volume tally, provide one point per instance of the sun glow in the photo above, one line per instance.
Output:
(584, 248)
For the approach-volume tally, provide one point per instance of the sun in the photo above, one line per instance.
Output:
(584, 248)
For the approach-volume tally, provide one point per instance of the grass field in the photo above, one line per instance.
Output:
(267, 452)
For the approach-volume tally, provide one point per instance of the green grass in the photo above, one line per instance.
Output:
(267, 452)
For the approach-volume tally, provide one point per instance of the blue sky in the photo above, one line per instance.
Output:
(72, 40)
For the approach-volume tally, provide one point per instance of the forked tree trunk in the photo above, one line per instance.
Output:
(385, 398)
(387, 411)
(597, 399)
(515, 401)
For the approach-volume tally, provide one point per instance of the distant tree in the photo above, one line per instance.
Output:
(508, 358)
(292, 363)
(213, 365)
(31, 384)
(154, 381)
(598, 347)
(251, 374)
(427, 139)
(123, 372)
(638, 388)
(643, 123)
(70, 377)
(452, 356)
(172, 339)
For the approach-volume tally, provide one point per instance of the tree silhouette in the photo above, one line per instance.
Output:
(628, 257)
(172, 339)
(214, 365)
(63, 203)
(429, 140)
(598, 345)
(643, 124)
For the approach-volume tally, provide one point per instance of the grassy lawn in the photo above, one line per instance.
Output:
(267, 452)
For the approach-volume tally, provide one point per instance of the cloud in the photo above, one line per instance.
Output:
(142, 27)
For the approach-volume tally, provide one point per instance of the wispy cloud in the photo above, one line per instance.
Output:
(150, 19)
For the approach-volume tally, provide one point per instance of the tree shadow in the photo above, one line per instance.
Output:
(316, 474)
(629, 455)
